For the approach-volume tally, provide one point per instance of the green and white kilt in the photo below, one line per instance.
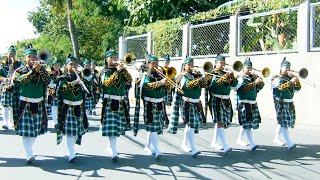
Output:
(114, 122)
(157, 124)
(126, 99)
(226, 111)
(168, 99)
(48, 108)
(286, 113)
(6, 99)
(256, 118)
(194, 116)
(73, 125)
(30, 125)
(90, 103)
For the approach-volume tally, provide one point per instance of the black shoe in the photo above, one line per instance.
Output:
(5, 127)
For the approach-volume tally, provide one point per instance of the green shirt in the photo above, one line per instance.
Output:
(247, 89)
(223, 88)
(67, 90)
(152, 87)
(192, 84)
(30, 83)
(114, 82)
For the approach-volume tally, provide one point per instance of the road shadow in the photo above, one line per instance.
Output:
(266, 158)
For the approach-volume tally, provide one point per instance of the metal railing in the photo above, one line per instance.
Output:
(209, 39)
(315, 26)
(269, 32)
(137, 45)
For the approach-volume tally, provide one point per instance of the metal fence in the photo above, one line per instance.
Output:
(137, 45)
(209, 39)
(315, 26)
(268, 32)
(172, 46)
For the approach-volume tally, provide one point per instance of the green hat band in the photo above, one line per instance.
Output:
(31, 51)
(86, 62)
(152, 59)
(12, 50)
(112, 53)
(220, 58)
(247, 62)
(55, 62)
(71, 59)
(188, 60)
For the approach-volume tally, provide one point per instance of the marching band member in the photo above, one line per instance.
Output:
(113, 80)
(90, 81)
(95, 86)
(220, 101)
(248, 112)
(30, 85)
(54, 72)
(7, 68)
(72, 119)
(284, 86)
(168, 96)
(151, 91)
(191, 82)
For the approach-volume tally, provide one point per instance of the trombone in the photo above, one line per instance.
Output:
(208, 67)
(130, 60)
(171, 82)
(302, 74)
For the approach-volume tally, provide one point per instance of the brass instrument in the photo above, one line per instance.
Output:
(170, 72)
(208, 67)
(265, 72)
(44, 56)
(130, 60)
(171, 82)
(7, 83)
(302, 74)
(236, 66)
(86, 72)
(83, 86)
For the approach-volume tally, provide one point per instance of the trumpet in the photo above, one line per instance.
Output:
(44, 56)
(171, 82)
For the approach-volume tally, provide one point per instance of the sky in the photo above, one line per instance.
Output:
(14, 25)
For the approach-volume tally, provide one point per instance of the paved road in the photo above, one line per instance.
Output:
(268, 162)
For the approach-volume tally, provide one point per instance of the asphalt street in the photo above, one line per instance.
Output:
(269, 161)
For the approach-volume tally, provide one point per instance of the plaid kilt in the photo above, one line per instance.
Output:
(226, 111)
(73, 125)
(6, 99)
(194, 116)
(90, 103)
(157, 124)
(114, 122)
(48, 108)
(30, 125)
(256, 119)
(286, 113)
(168, 99)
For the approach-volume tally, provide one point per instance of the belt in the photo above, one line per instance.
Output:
(284, 100)
(73, 103)
(187, 99)
(115, 97)
(221, 96)
(154, 100)
(248, 101)
(31, 100)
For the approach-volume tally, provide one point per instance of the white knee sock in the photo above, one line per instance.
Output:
(148, 143)
(113, 144)
(190, 135)
(214, 139)
(54, 110)
(184, 140)
(71, 141)
(278, 132)
(5, 115)
(250, 138)
(28, 143)
(222, 136)
(154, 141)
(286, 136)
(87, 113)
(240, 137)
